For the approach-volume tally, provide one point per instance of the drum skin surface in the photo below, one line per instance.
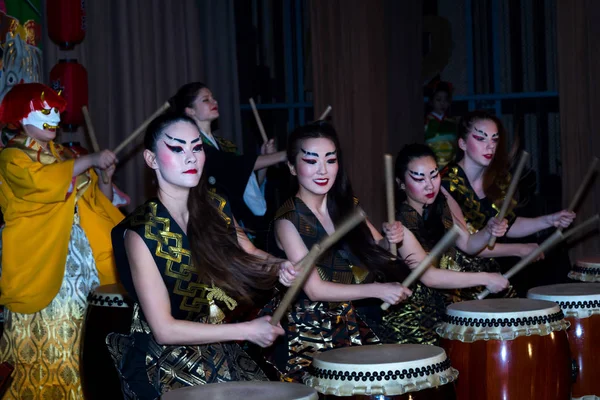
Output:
(107, 312)
(445, 392)
(530, 367)
(245, 391)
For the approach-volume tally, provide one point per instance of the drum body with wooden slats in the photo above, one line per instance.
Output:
(108, 311)
(244, 390)
(586, 270)
(580, 302)
(508, 349)
(391, 371)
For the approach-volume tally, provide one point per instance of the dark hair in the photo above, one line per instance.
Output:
(216, 254)
(496, 174)
(185, 96)
(432, 214)
(341, 203)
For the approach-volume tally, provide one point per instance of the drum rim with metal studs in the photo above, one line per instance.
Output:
(389, 369)
(501, 319)
(577, 300)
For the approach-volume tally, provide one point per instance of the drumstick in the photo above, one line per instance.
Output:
(306, 265)
(141, 128)
(511, 191)
(325, 113)
(389, 190)
(554, 239)
(261, 128)
(93, 139)
(583, 185)
(447, 240)
(581, 227)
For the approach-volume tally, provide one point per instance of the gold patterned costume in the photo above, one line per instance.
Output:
(55, 249)
(146, 368)
(477, 213)
(314, 326)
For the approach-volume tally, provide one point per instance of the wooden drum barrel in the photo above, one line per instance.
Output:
(390, 371)
(108, 311)
(244, 390)
(580, 302)
(508, 349)
(586, 270)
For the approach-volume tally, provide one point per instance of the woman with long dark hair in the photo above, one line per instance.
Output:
(233, 173)
(185, 264)
(479, 180)
(329, 312)
(426, 215)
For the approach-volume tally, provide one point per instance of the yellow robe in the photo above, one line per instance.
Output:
(38, 216)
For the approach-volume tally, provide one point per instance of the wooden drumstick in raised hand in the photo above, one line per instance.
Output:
(306, 265)
(584, 183)
(389, 190)
(552, 241)
(511, 191)
(261, 128)
(140, 129)
(93, 139)
(325, 113)
(447, 240)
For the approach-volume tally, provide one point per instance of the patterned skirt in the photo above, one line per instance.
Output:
(314, 327)
(44, 346)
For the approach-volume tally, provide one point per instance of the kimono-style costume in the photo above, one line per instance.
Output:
(56, 248)
(314, 326)
(148, 369)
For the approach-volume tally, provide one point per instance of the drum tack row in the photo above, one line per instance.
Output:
(544, 347)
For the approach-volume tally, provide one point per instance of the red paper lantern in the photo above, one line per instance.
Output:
(66, 22)
(71, 78)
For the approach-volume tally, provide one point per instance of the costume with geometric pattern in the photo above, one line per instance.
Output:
(414, 320)
(314, 326)
(148, 369)
(477, 213)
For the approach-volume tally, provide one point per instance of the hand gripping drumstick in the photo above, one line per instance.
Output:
(510, 192)
(389, 190)
(586, 179)
(553, 240)
(261, 128)
(141, 128)
(447, 240)
(325, 113)
(306, 265)
(93, 139)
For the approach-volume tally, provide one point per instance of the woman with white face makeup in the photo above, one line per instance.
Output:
(186, 265)
(342, 290)
(478, 183)
(426, 215)
(56, 244)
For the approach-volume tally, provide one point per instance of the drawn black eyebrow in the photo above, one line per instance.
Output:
(308, 153)
(416, 173)
(331, 153)
(175, 139)
(195, 140)
(434, 171)
(485, 133)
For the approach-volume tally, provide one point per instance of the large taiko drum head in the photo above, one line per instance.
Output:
(508, 349)
(580, 302)
(108, 311)
(245, 391)
(396, 371)
(586, 270)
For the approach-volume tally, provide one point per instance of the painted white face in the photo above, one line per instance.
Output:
(422, 182)
(180, 155)
(316, 166)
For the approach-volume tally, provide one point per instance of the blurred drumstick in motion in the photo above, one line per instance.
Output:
(583, 185)
(306, 265)
(261, 128)
(447, 240)
(325, 113)
(511, 191)
(93, 139)
(389, 190)
(140, 129)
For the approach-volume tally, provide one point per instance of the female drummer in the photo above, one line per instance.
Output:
(184, 262)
